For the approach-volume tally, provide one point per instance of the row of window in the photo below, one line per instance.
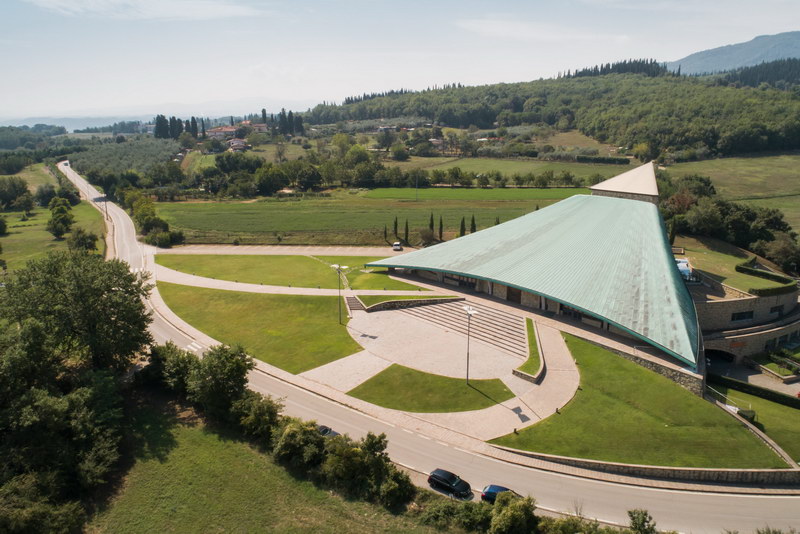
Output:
(776, 342)
(747, 315)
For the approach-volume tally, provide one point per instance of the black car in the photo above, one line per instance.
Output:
(490, 492)
(449, 483)
(326, 431)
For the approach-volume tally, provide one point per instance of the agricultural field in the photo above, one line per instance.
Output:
(346, 217)
(178, 465)
(718, 260)
(766, 181)
(626, 413)
(267, 152)
(575, 139)
(295, 333)
(195, 161)
(35, 175)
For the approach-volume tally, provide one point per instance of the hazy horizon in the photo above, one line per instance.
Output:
(84, 58)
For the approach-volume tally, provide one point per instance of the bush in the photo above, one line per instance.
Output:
(219, 380)
(512, 515)
(3, 225)
(257, 416)
(397, 489)
(602, 159)
(171, 367)
(299, 445)
(159, 239)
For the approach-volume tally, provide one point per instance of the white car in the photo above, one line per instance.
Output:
(397, 246)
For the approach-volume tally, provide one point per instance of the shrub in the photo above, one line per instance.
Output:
(258, 416)
(512, 515)
(3, 225)
(397, 489)
(158, 239)
(171, 367)
(299, 445)
(219, 380)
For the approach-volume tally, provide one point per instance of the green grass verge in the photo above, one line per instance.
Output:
(402, 388)
(531, 365)
(626, 413)
(455, 193)
(370, 300)
(295, 333)
(718, 260)
(297, 271)
(186, 477)
(359, 277)
(781, 423)
(343, 218)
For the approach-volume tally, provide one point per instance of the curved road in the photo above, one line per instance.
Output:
(684, 511)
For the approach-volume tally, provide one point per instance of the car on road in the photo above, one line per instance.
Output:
(326, 431)
(449, 483)
(490, 492)
(397, 246)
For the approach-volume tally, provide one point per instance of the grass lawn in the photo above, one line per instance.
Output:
(719, 260)
(344, 218)
(195, 161)
(358, 278)
(457, 193)
(789, 205)
(36, 175)
(781, 423)
(295, 333)
(575, 139)
(370, 300)
(267, 152)
(186, 477)
(297, 271)
(763, 359)
(626, 413)
(30, 239)
(402, 388)
(531, 365)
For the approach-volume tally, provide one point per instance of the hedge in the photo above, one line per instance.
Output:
(603, 159)
(752, 389)
(788, 286)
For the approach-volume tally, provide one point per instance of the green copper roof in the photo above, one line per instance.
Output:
(606, 256)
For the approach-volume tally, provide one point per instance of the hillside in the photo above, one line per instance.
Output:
(762, 48)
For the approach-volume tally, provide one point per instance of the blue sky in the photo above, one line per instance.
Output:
(214, 57)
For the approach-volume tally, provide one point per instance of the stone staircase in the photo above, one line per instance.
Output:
(353, 304)
(503, 330)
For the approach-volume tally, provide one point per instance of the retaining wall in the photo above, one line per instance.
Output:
(407, 303)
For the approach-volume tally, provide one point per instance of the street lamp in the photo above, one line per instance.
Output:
(470, 312)
(339, 269)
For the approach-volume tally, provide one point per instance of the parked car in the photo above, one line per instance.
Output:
(326, 431)
(449, 483)
(490, 492)
(397, 246)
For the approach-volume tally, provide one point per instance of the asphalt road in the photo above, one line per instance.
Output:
(683, 511)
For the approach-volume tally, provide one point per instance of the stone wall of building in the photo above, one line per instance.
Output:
(630, 196)
(529, 300)
(749, 343)
(717, 314)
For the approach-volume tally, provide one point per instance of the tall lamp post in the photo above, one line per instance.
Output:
(339, 269)
(470, 312)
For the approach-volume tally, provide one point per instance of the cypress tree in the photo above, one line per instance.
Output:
(496, 221)
(430, 223)
(264, 115)
(231, 120)
(405, 236)
(193, 125)
(440, 228)
(203, 127)
(290, 123)
(463, 228)
(472, 227)
(395, 227)
(385, 233)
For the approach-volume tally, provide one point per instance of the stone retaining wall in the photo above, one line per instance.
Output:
(756, 477)
(407, 303)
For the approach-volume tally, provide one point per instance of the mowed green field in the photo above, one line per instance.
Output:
(187, 477)
(766, 181)
(626, 413)
(280, 270)
(344, 218)
(458, 193)
(293, 332)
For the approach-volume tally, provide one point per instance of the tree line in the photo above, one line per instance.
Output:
(661, 114)
(12, 137)
(781, 74)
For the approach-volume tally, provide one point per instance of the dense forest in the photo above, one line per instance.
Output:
(655, 114)
(780, 74)
(12, 137)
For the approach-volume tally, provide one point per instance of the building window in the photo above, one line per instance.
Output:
(770, 344)
(742, 316)
(777, 309)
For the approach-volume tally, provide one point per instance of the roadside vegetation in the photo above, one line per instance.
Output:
(621, 410)
(410, 390)
(295, 333)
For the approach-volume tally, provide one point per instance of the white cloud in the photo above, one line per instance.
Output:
(151, 9)
(508, 29)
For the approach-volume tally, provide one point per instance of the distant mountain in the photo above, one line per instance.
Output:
(762, 48)
(74, 123)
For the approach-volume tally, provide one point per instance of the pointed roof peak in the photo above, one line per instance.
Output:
(638, 181)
